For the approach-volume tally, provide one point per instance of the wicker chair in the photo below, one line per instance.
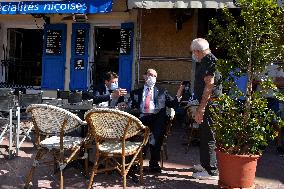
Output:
(50, 121)
(111, 128)
(192, 129)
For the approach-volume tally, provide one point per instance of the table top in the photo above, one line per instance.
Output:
(79, 106)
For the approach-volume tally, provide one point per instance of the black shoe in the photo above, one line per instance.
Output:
(135, 169)
(132, 173)
(280, 150)
(133, 177)
(144, 155)
(155, 169)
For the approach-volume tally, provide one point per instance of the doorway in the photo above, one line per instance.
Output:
(25, 56)
(106, 55)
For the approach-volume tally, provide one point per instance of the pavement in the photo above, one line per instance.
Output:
(176, 173)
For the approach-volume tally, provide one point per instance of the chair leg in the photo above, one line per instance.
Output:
(10, 134)
(31, 172)
(94, 171)
(18, 131)
(162, 156)
(86, 160)
(86, 164)
(123, 172)
(166, 151)
(61, 179)
(55, 166)
(141, 167)
(189, 137)
(26, 135)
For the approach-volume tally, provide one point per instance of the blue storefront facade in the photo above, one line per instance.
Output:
(71, 42)
(80, 40)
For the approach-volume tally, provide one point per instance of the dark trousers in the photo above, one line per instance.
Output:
(156, 123)
(207, 145)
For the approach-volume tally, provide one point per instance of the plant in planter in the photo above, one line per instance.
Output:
(250, 41)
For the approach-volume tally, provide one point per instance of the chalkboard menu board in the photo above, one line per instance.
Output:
(125, 41)
(53, 42)
(80, 42)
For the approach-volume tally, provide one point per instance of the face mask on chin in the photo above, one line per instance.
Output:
(151, 81)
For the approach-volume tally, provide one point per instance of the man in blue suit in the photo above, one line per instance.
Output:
(109, 94)
(151, 103)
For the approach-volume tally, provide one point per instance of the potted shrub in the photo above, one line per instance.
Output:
(250, 41)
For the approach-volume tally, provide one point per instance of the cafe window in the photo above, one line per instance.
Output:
(24, 57)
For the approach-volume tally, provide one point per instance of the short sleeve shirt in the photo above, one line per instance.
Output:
(206, 67)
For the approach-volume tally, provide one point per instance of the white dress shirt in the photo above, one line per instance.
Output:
(152, 104)
(112, 102)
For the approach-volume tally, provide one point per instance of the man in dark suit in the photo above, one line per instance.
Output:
(151, 103)
(109, 94)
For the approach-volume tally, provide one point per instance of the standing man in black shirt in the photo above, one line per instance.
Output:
(205, 74)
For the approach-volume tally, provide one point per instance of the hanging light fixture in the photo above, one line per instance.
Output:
(80, 17)
(76, 17)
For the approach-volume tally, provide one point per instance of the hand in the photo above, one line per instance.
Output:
(122, 92)
(199, 114)
(118, 92)
(180, 90)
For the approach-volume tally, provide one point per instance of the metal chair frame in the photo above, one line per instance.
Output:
(63, 94)
(7, 106)
(75, 97)
(6, 91)
(27, 99)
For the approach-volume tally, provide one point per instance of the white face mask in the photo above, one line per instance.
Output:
(193, 58)
(151, 81)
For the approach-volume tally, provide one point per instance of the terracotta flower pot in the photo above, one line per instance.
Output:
(236, 171)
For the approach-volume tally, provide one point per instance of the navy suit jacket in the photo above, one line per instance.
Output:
(99, 95)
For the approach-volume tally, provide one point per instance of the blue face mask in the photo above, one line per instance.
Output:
(113, 86)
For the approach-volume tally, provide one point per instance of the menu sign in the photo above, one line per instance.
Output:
(53, 42)
(80, 38)
(125, 41)
(79, 64)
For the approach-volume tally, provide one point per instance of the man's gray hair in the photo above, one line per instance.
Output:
(199, 44)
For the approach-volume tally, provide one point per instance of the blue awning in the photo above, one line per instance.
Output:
(54, 7)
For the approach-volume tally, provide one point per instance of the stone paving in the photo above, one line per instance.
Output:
(175, 175)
